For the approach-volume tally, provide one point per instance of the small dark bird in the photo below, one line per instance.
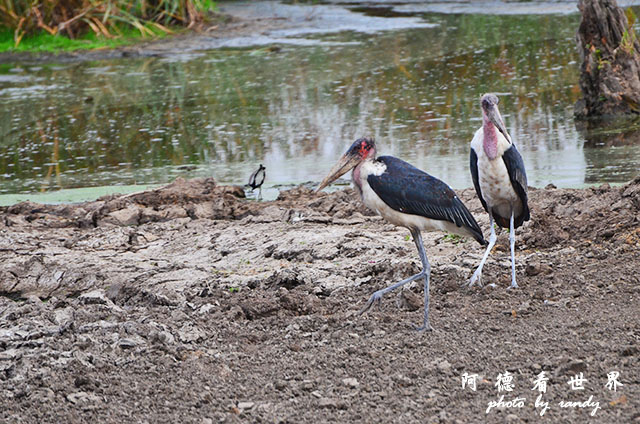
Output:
(408, 197)
(500, 179)
(256, 179)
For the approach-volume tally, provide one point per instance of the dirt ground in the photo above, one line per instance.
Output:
(192, 304)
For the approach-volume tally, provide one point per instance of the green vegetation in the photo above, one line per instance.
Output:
(628, 40)
(45, 42)
(108, 19)
(453, 238)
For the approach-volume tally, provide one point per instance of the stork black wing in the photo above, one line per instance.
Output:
(257, 178)
(518, 177)
(407, 189)
(473, 166)
(252, 178)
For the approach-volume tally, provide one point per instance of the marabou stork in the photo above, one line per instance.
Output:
(404, 196)
(256, 179)
(500, 180)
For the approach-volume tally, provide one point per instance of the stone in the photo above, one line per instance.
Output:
(63, 317)
(189, 334)
(127, 343)
(207, 308)
(245, 405)
(533, 268)
(33, 299)
(10, 355)
(82, 397)
(98, 297)
(124, 217)
(94, 297)
(408, 300)
(163, 337)
(327, 403)
(571, 368)
(444, 366)
(350, 382)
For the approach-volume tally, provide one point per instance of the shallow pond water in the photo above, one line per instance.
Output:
(295, 107)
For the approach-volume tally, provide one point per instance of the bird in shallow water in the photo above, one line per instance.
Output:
(500, 179)
(256, 179)
(405, 196)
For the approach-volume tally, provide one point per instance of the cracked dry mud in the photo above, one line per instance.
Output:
(190, 304)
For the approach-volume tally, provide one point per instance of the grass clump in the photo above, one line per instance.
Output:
(453, 238)
(45, 42)
(103, 18)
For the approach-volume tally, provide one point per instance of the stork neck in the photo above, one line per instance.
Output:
(355, 176)
(490, 139)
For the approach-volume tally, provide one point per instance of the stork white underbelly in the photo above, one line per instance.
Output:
(496, 186)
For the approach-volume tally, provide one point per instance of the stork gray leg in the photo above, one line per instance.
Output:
(492, 241)
(426, 270)
(378, 295)
(375, 298)
(512, 240)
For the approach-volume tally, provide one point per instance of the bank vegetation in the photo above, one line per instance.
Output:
(107, 19)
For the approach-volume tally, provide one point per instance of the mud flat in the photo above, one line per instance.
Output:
(190, 304)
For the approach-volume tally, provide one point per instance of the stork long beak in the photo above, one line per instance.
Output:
(496, 119)
(346, 163)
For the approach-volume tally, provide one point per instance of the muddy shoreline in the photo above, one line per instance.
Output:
(191, 303)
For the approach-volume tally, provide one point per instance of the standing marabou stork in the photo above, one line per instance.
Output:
(256, 179)
(404, 196)
(500, 180)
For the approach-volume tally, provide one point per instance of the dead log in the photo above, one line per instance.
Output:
(610, 53)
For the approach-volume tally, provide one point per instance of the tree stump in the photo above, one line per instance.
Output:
(610, 53)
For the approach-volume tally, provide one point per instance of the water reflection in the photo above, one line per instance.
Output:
(611, 146)
(296, 109)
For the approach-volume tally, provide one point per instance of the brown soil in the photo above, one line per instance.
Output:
(191, 304)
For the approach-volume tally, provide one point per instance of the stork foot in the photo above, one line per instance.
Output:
(425, 327)
(513, 285)
(475, 278)
(375, 298)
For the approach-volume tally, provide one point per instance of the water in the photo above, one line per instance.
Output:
(296, 108)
